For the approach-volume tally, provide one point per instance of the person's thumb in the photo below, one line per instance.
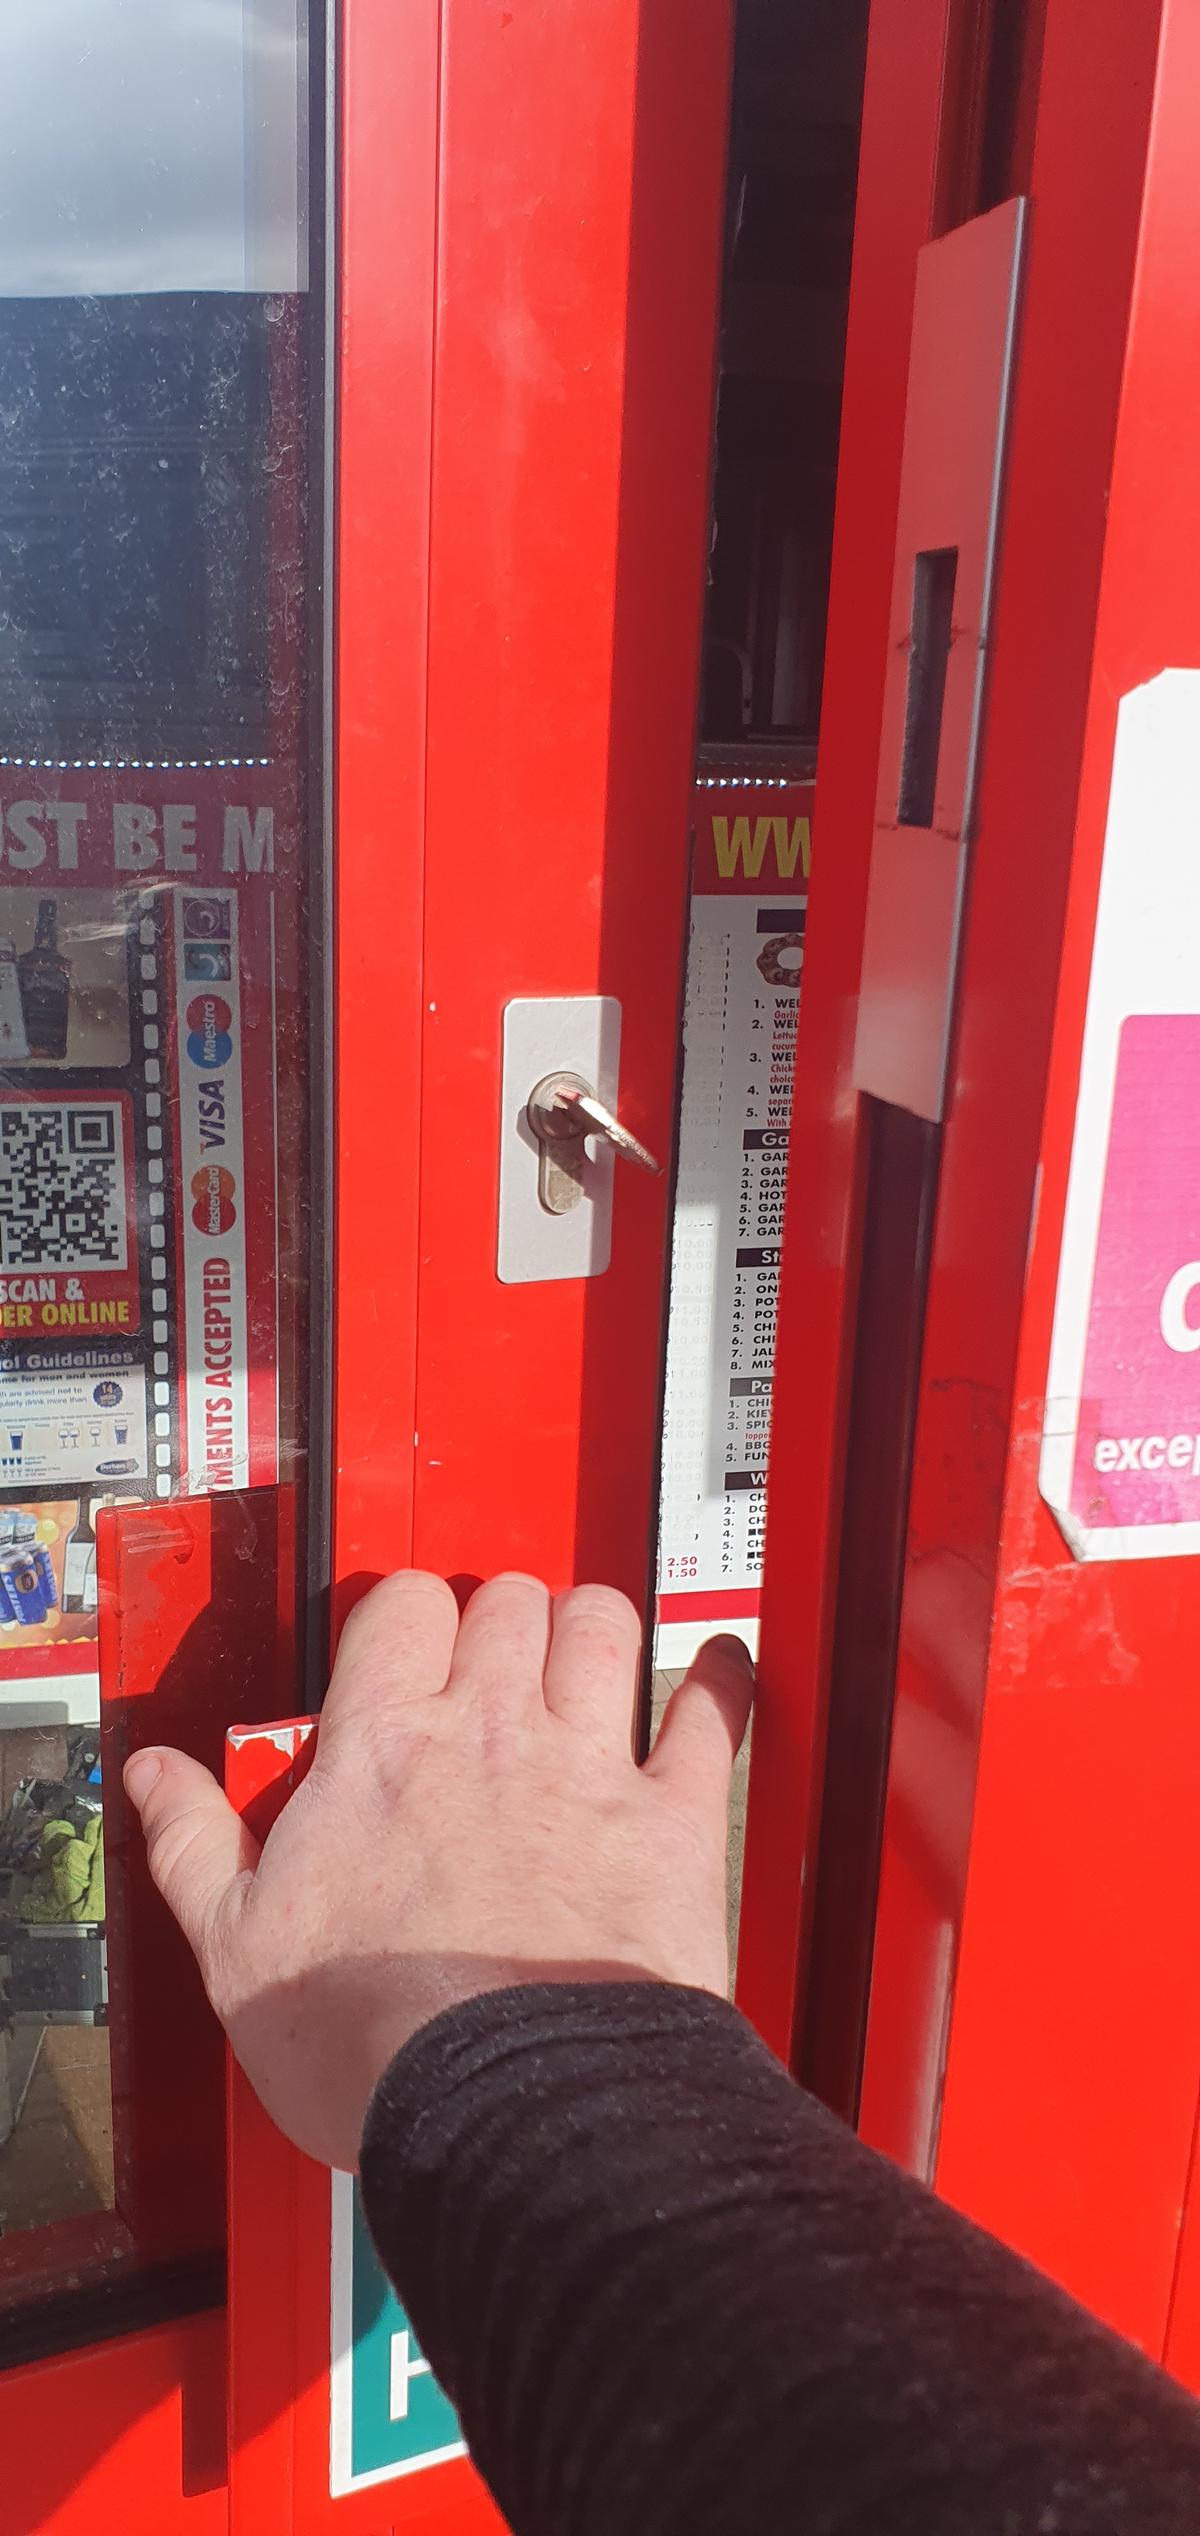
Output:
(197, 1847)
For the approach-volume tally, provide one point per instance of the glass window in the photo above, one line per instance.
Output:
(160, 351)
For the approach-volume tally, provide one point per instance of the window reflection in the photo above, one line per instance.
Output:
(155, 370)
(135, 524)
(173, 159)
(56, 2152)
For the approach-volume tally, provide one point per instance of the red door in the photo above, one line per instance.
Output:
(353, 494)
(970, 1910)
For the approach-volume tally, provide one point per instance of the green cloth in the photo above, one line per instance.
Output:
(69, 1884)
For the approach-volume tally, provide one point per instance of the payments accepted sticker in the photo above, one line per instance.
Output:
(1120, 1463)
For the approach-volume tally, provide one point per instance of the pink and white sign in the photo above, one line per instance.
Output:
(1120, 1464)
(1137, 1447)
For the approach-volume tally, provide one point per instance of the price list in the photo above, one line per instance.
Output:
(741, 1006)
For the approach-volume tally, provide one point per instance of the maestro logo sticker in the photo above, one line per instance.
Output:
(209, 1022)
(214, 1190)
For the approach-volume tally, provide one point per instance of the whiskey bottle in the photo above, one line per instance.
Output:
(79, 1563)
(45, 986)
(14, 1044)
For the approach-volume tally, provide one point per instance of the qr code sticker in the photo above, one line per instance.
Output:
(62, 1185)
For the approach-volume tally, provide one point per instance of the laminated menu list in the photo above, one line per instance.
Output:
(752, 860)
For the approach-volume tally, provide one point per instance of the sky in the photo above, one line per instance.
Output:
(150, 145)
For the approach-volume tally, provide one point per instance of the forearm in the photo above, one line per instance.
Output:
(666, 2291)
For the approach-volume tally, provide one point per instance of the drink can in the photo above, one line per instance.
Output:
(18, 1531)
(22, 1588)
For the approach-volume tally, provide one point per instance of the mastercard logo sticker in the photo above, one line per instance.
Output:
(209, 1012)
(214, 1190)
(209, 1023)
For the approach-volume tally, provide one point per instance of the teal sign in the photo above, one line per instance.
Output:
(388, 2414)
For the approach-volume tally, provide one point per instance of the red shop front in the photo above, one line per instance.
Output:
(651, 542)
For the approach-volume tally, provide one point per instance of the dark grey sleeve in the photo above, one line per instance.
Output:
(668, 2292)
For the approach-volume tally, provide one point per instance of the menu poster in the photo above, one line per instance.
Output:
(144, 916)
(753, 852)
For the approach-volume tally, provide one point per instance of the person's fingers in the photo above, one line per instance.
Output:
(500, 1652)
(592, 1667)
(705, 1721)
(197, 1846)
(396, 1647)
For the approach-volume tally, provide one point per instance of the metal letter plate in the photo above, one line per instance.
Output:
(960, 382)
(552, 1034)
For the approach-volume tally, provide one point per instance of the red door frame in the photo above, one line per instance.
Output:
(571, 457)
(910, 152)
(530, 227)
(386, 283)
(1087, 185)
(560, 486)
(1073, 2070)
(569, 442)
(1087, 181)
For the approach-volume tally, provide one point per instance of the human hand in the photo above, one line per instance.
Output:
(473, 1818)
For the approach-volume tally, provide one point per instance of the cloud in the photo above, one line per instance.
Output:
(150, 145)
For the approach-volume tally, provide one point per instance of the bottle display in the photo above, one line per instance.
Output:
(79, 1562)
(14, 1043)
(45, 981)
